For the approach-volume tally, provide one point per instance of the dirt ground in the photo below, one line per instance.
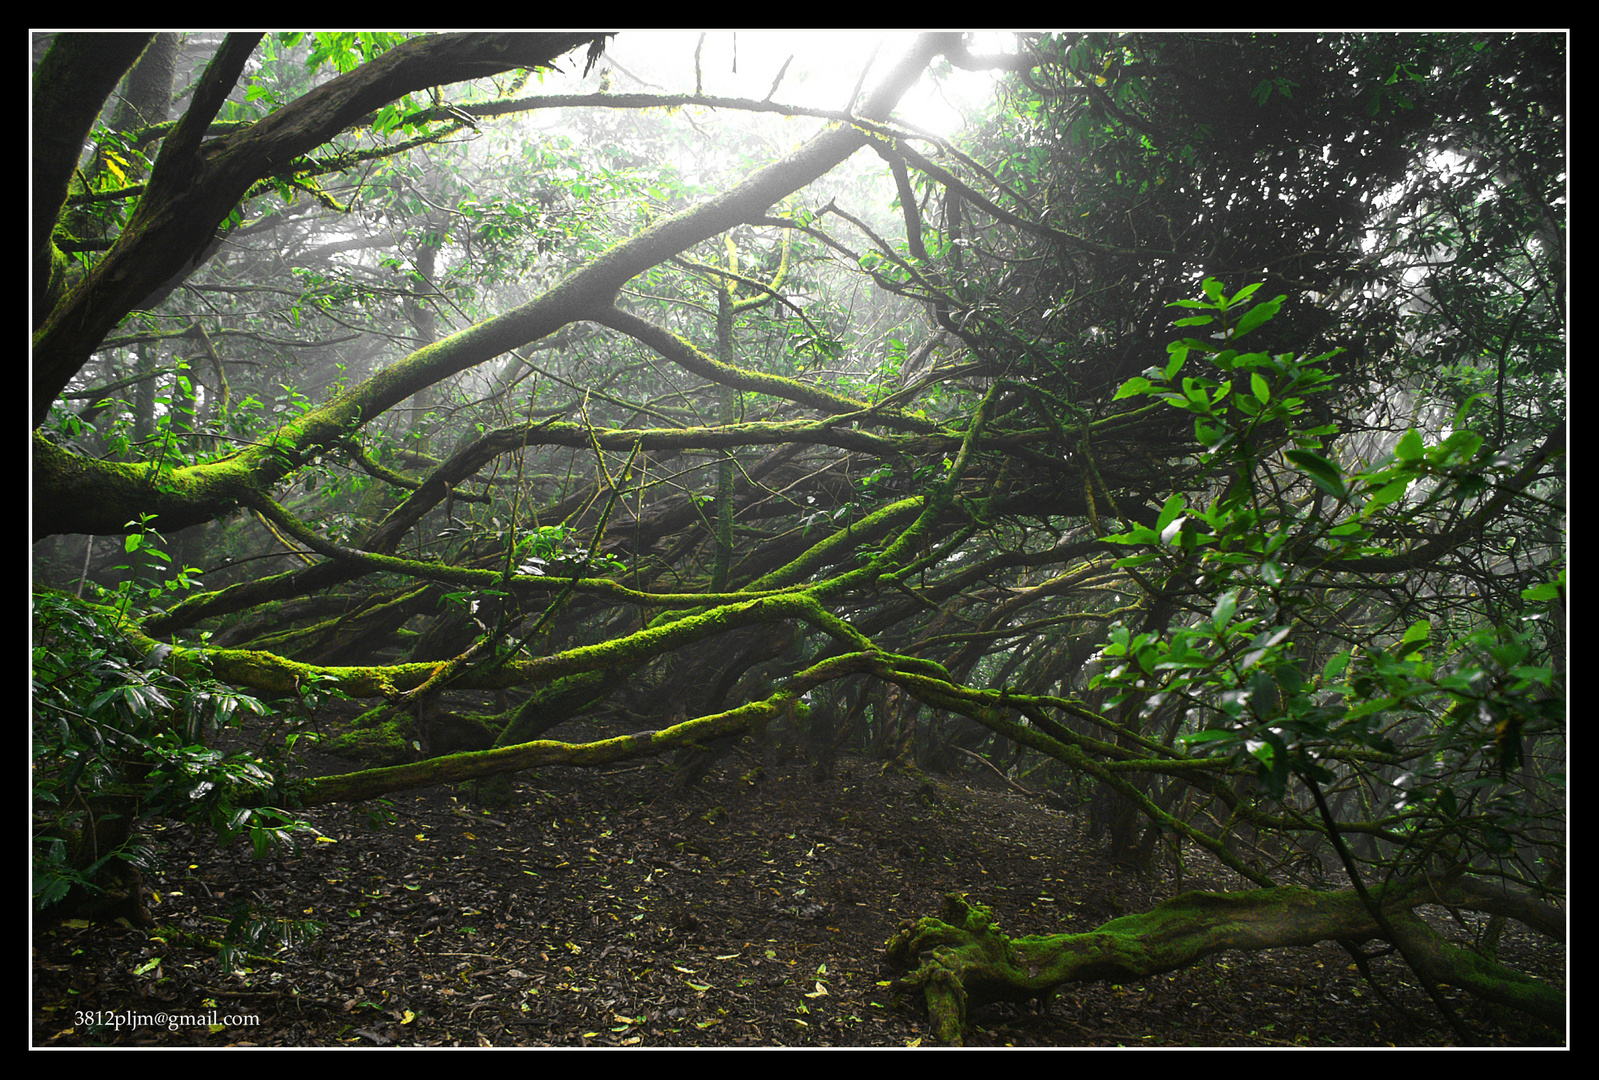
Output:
(603, 908)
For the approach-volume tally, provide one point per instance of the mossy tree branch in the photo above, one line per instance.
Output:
(200, 493)
(960, 959)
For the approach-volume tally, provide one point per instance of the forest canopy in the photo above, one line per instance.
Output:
(1181, 435)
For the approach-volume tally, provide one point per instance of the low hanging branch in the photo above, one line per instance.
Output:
(456, 768)
(960, 960)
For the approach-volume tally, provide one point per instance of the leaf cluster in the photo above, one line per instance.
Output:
(117, 739)
(1450, 708)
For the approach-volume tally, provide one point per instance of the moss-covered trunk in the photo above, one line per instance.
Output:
(960, 960)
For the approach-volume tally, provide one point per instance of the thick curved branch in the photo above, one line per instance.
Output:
(199, 493)
(69, 87)
(195, 186)
(960, 959)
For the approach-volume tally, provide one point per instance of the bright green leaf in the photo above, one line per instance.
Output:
(1410, 447)
(1323, 473)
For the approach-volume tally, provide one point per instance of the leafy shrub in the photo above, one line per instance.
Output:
(116, 739)
(1424, 719)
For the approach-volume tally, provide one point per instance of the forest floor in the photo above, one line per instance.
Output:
(605, 908)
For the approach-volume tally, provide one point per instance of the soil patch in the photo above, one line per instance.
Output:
(603, 908)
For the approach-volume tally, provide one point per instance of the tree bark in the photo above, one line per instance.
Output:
(69, 86)
(195, 185)
(960, 960)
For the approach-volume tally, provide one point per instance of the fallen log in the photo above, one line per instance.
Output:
(960, 960)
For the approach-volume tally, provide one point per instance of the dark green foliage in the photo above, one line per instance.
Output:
(116, 739)
(1246, 668)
